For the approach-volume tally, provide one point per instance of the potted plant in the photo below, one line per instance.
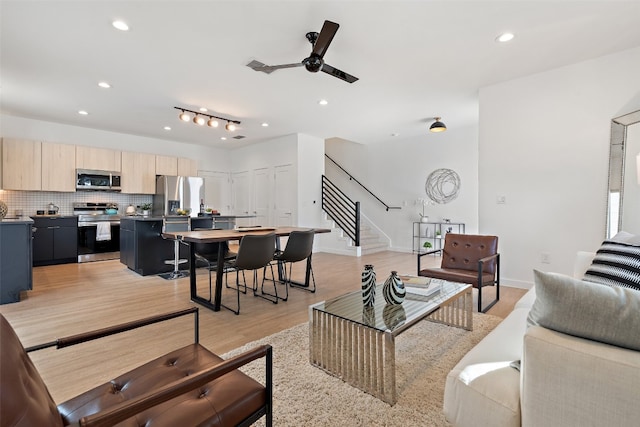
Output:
(427, 245)
(146, 209)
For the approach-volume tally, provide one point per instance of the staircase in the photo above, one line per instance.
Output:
(337, 242)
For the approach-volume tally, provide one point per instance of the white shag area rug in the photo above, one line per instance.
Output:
(304, 395)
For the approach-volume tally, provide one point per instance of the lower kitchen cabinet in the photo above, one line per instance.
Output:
(15, 259)
(143, 249)
(55, 240)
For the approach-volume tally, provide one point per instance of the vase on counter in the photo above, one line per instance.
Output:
(393, 289)
(368, 286)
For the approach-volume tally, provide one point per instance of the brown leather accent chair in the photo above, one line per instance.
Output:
(468, 258)
(188, 387)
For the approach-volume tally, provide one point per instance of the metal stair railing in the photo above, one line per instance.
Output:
(341, 209)
(352, 178)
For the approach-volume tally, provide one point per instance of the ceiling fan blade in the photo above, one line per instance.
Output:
(325, 37)
(259, 66)
(326, 68)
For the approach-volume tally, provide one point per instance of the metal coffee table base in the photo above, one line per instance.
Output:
(365, 357)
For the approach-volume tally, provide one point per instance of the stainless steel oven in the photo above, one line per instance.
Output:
(98, 231)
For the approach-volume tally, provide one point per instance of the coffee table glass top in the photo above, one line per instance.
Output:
(419, 302)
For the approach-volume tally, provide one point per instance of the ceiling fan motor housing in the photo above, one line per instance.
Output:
(313, 63)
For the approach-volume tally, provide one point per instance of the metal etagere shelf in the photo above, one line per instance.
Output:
(433, 232)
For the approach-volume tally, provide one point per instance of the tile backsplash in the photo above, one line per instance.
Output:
(32, 201)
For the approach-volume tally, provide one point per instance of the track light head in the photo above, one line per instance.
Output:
(199, 120)
(230, 126)
(184, 116)
(438, 126)
(212, 123)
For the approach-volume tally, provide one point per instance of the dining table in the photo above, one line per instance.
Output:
(221, 237)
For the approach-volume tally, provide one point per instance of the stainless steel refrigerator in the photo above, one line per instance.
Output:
(175, 193)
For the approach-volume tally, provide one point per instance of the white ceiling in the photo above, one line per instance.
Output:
(415, 60)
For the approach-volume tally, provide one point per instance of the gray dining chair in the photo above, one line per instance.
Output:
(299, 248)
(255, 252)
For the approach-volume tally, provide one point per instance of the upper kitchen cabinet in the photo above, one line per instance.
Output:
(21, 164)
(187, 167)
(103, 159)
(138, 173)
(58, 167)
(166, 165)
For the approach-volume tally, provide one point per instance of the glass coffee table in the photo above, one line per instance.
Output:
(357, 343)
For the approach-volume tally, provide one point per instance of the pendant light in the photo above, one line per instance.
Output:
(438, 126)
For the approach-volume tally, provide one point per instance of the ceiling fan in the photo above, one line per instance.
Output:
(314, 62)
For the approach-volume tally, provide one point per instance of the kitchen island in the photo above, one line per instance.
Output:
(144, 250)
(16, 249)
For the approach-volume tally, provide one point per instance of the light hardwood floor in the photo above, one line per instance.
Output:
(72, 298)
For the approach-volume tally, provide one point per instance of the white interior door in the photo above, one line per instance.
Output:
(261, 196)
(217, 191)
(285, 195)
(241, 190)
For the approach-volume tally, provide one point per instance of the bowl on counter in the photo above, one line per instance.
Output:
(111, 211)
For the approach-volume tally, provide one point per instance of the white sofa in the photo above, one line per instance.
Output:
(563, 381)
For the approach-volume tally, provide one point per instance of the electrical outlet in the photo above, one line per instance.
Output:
(545, 257)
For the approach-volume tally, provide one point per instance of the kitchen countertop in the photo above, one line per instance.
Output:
(16, 220)
(159, 218)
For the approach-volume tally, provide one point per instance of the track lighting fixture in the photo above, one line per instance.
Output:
(200, 119)
(184, 116)
(438, 126)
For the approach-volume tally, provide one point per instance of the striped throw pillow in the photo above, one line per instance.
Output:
(616, 264)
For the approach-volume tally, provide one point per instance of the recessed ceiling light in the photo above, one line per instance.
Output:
(204, 110)
(224, 138)
(120, 25)
(104, 85)
(505, 37)
(167, 128)
(323, 102)
(83, 113)
(265, 124)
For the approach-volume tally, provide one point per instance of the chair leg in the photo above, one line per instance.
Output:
(275, 284)
(492, 303)
(226, 279)
(308, 275)
(265, 295)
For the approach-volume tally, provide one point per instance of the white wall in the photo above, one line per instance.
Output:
(396, 171)
(310, 168)
(544, 145)
(19, 127)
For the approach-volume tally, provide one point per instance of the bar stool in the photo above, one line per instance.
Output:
(172, 224)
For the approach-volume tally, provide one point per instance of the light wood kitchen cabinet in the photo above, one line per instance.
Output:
(166, 165)
(58, 167)
(21, 164)
(138, 173)
(187, 167)
(103, 159)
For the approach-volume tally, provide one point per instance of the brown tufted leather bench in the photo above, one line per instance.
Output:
(468, 258)
(188, 387)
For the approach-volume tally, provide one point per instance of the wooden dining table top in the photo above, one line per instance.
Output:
(212, 236)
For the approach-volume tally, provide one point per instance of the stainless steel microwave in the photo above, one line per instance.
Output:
(93, 180)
